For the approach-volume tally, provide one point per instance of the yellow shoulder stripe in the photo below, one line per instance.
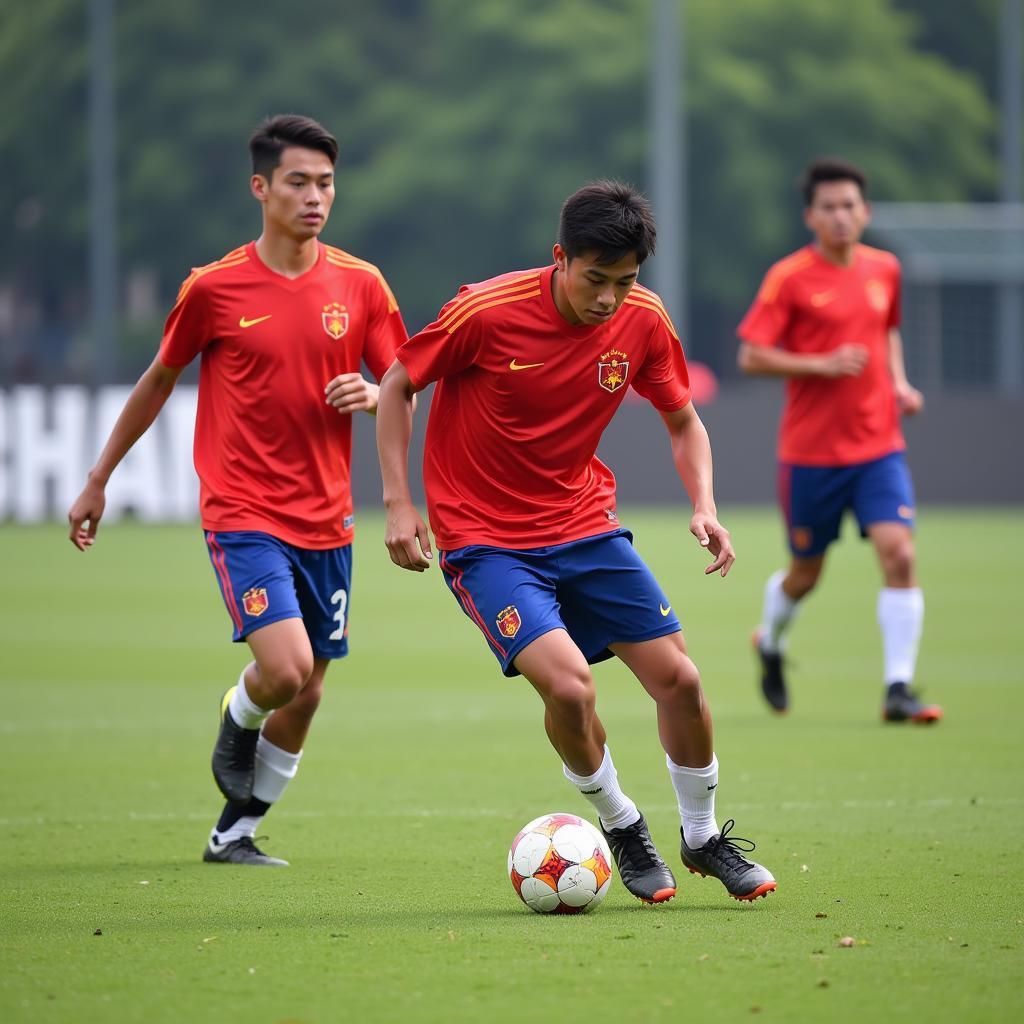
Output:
(231, 260)
(452, 327)
(345, 261)
(461, 304)
(778, 274)
(654, 307)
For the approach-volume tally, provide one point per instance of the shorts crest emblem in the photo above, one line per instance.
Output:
(612, 370)
(508, 621)
(255, 601)
(802, 537)
(335, 320)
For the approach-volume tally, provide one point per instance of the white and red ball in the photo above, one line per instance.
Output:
(560, 864)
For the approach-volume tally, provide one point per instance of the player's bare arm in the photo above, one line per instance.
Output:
(405, 535)
(761, 361)
(144, 403)
(691, 452)
(352, 392)
(909, 399)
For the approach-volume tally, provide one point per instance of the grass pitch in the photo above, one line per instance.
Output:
(424, 762)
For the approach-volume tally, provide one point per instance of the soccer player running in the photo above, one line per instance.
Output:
(531, 367)
(282, 325)
(827, 319)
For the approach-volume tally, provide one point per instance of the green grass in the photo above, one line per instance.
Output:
(424, 762)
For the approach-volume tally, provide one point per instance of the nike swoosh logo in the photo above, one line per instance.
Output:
(664, 611)
(523, 366)
(256, 320)
(822, 298)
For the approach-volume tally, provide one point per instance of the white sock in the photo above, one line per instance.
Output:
(614, 808)
(777, 614)
(243, 827)
(900, 617)
(275, 768)
(695, 792)
(245, 713)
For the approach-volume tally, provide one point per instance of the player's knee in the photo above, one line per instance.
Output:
(287, 677)
(307, 700)
(573, 700)
(802, 580)
(682, 686)
(898, 563)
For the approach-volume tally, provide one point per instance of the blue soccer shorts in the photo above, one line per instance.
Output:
(264, 580)
(597, 589)
(815, 498)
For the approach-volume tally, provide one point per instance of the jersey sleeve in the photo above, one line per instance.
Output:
(895, 307)
(448, 346)
(663, 379)
(188, 328)
(386, 332)
(768, 318)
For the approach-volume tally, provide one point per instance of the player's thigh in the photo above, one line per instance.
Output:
(884, 493)
(323, 583)
(508, 595)
(283, 653)
(609, 595)
(255, 577)
(556, 669)
(661, 665)
(813, 501)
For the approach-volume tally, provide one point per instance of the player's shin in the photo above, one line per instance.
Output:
(777, 615)
(900, 618)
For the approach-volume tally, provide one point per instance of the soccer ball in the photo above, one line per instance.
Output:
(560, 864)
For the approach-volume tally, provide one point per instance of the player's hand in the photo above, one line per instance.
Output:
(87, 508)
(845, 361)
(909, 400)
(352, 392)
(715, 537)
(407, 538)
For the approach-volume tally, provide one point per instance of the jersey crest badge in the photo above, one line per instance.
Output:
(802, 537)
(255, 601)
(335, 320)
(508, 621)
(612, 369)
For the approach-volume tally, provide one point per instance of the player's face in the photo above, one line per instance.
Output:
(298, 198)
(588, 292)
(838, 214)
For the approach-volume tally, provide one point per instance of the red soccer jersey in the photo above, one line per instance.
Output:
(523, 399)
(808, 305)
(271, 454)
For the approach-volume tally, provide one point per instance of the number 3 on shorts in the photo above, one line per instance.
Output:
(340, 598)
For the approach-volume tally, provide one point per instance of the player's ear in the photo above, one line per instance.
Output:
(260, 187)
(561, 260)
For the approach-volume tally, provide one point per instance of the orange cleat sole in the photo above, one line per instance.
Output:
(661, 896)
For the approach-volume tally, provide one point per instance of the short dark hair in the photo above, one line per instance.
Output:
(275, 134)
(830, 168)
(610, 218)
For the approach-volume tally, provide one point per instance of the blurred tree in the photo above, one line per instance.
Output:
(463, 126)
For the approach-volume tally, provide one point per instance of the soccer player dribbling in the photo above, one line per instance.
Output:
(827, 319)
(282, 326)
(531, 367)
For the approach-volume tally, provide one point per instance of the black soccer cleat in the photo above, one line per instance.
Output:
(240, 851)
(902, 705)
(234, 756)
(641, 868)
(773, 682)
(721, 858)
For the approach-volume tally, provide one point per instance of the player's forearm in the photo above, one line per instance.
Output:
(144, 404)
(691, 452)
(759, 361)
(395, 405)
(897, 365)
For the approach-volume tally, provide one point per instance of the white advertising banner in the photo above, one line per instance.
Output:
(49, 439)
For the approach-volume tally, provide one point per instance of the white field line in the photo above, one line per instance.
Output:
(42, 821)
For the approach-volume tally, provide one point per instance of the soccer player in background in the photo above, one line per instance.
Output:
(827, 319)
(282, 326)
(531, 367)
